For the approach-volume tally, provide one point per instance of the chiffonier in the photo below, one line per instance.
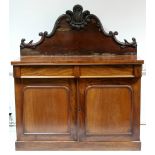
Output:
(78, 88)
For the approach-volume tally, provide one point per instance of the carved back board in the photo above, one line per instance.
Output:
(78, 32)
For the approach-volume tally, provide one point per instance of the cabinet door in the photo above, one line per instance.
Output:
(46, 109)
(109, 109)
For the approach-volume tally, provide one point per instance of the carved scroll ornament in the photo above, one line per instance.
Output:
(78, 19)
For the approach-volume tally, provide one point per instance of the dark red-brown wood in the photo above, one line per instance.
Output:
(78, 88)
(78, 33)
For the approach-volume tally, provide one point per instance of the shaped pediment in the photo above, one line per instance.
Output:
(78, 32)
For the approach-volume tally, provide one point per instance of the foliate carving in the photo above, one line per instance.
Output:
(31, 44)
(122, 44)
(133, 43)
(78, 19)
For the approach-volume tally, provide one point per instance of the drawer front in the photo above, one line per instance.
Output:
(47, 71)
(106, 71)
(83, 71)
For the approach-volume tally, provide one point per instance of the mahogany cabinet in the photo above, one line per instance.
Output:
(78, 88)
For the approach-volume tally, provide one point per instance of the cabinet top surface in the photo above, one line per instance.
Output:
(77, 60)
(78, 37)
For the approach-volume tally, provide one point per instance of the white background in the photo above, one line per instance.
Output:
(28, 17)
